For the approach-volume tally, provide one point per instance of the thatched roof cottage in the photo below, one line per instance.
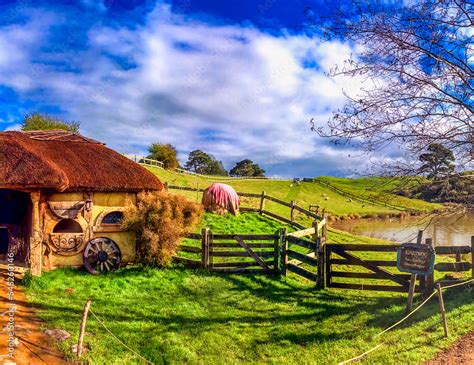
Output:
(61, 201)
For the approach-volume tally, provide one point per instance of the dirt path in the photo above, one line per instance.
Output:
(34, 346)
(461, 353)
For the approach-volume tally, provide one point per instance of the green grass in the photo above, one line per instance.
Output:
(305, 194)
(380, 190)
(180, 316)
(245, 223)
(177, 316)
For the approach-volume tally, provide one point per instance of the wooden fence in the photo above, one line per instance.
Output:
(339, 258)
(381, 202)
(292, 206)
(332, 265)
(234, 253)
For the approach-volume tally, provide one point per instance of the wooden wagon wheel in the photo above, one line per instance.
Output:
(101, 255)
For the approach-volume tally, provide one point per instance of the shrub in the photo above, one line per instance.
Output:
(158, 221)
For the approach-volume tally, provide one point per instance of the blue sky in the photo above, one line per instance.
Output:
(238, 79)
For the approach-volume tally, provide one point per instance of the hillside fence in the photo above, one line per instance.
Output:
(263, 197)
(348, 195)
(158, 164)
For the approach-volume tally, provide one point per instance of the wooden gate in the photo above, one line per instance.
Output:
(295, 260)
(342, 268)
(242, 253)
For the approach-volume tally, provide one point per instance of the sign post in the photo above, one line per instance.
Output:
(416, 259)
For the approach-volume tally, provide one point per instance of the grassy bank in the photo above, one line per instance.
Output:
(305, 194)
(177, 316)
(379, 190)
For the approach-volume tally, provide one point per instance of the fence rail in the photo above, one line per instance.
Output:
(307, 254)
(338, 256)
(358, 198)
(154, 163)
(230, 253)
(263, 197)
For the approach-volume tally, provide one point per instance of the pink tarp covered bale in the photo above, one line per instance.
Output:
(221, 199)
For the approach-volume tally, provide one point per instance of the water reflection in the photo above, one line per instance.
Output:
(445, 230)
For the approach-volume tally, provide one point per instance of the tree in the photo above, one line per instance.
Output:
(203, 163)
(437, 162)
(165, 153)
(416, 64)
(37, 121)
(246, 168)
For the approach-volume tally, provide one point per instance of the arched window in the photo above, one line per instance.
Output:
(67, 226)
(114, 218)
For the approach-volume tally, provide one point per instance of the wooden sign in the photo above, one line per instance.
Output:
(415, 259)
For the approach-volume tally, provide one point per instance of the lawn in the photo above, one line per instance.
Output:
(178, 316)
(305, 194)
(381, 190)
(182, 316)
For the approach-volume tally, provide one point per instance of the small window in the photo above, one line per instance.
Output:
(113, 218)
(67, 226)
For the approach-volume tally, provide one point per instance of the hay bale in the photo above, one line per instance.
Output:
(221, 199)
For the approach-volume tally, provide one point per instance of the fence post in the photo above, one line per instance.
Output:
(205, 247)
(292, 214)
(276, 250)
(327, 258)
(429, 279)
(442, 309)
(411, 289)
(262, 202)
(166, 186)
(324, 232)
(319, 256)
(83, 327)
(283, 251)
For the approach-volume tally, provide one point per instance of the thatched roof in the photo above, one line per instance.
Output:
(64, 161)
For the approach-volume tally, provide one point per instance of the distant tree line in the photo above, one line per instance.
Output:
(202, 162)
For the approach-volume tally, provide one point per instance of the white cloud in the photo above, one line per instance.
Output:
(235, 92)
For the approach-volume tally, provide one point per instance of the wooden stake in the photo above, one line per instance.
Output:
(83, 327)
(262, 202)
(292, 214)
(411, 289)
(205, 248)
(324, 232)
(442, 309)
(276, 251)
(429, 282)
(283, 252)
(472, 257)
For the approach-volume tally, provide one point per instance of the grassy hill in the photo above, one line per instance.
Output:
(305, 194)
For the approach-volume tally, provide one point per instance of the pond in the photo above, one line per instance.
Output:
(445, 230)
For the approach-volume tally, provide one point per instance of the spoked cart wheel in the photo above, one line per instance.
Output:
(101, 255)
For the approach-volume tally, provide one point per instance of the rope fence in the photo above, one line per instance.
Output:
(401, 321)
(119, 340)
